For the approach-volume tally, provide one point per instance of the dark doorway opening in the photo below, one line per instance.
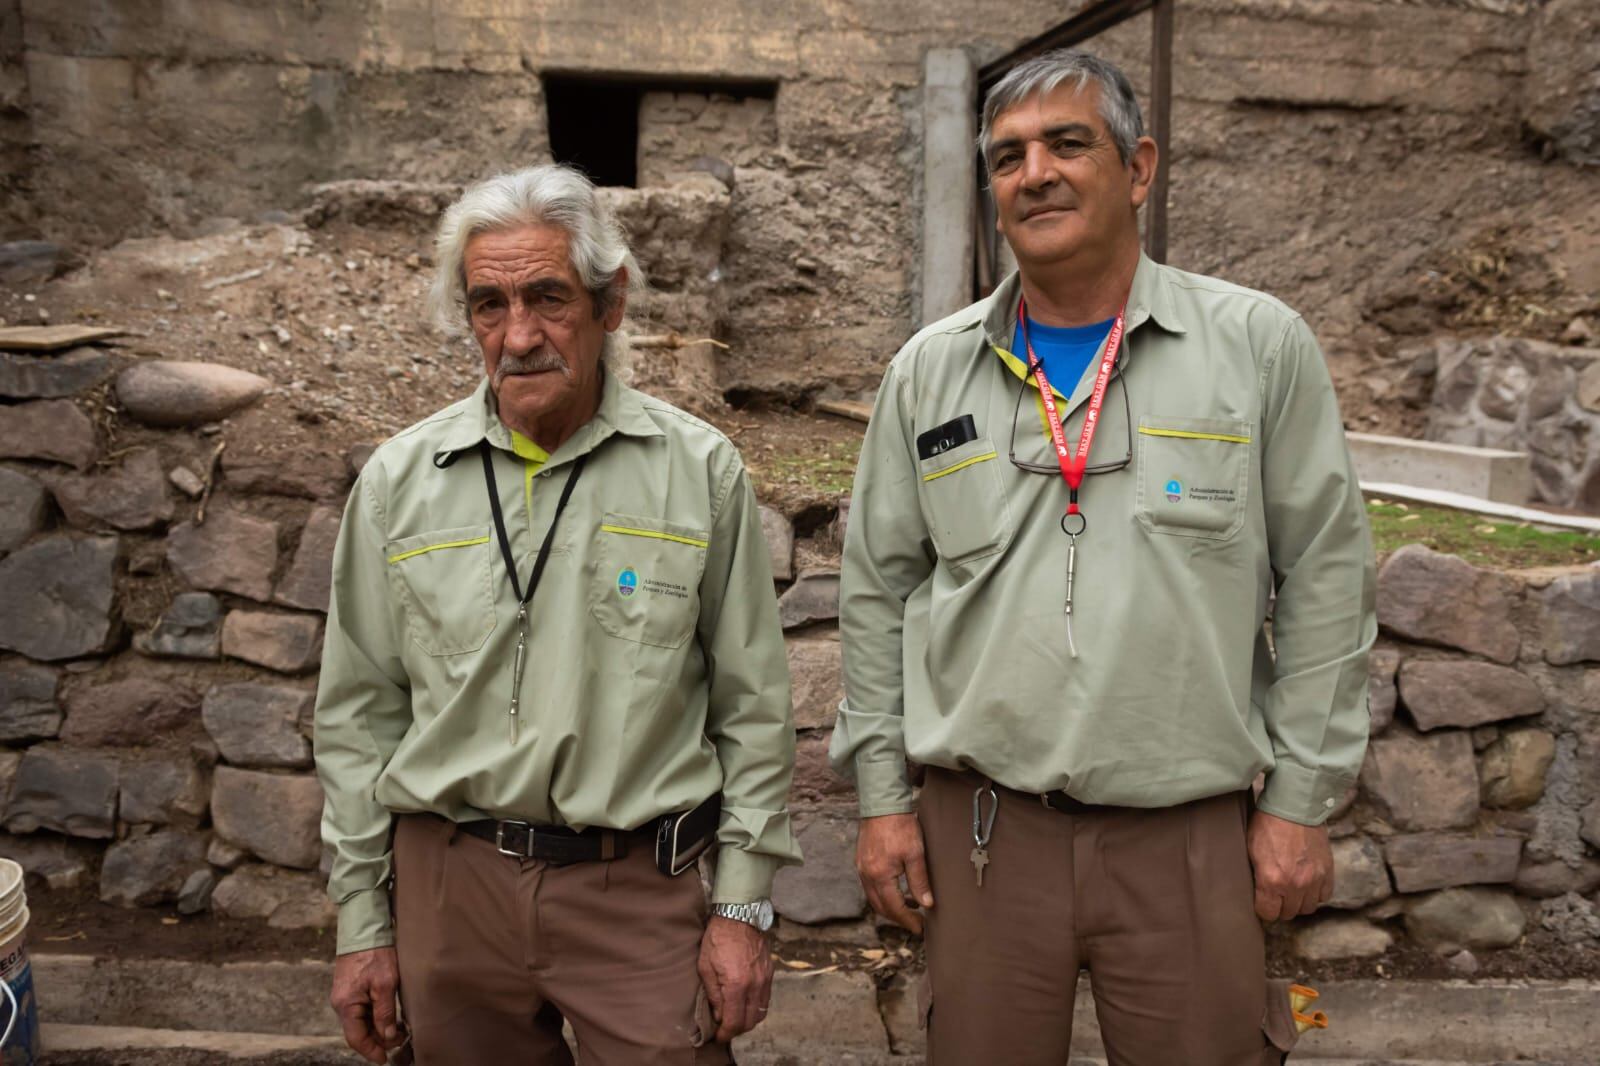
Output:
(594, 126)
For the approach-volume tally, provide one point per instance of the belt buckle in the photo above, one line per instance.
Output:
(500, 840)
(1061, 802)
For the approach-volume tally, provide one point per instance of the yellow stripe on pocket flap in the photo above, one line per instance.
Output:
(436, 547)
(960, 466)
(654, 534)
(1151, 431)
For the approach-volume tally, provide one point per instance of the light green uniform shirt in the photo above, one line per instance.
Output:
(655, 673)
(1237, 485)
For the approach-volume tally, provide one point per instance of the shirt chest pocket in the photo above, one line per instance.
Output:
(1194, 475)
(646, 581)
(965, 502)
(444, 579)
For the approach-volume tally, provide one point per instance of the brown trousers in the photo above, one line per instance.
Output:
(495, 952)
(1157, 905)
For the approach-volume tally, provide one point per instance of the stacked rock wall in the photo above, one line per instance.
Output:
(1527, 396)
(164, 609)
(1477, 817)
(1476, 820)
(162, 625)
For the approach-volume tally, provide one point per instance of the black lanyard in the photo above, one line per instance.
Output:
(523, 598)
(500, 524)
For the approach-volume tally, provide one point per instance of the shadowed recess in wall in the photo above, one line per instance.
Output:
(594, 121)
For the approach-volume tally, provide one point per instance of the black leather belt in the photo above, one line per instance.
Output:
(1056, 801)
(558, 845)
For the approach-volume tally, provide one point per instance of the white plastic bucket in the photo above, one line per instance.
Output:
(22, 1046)
(12, 898)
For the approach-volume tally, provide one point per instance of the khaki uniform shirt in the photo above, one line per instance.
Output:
(1237, 485)
(655, 673)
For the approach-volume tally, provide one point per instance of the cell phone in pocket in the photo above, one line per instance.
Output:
(942, 438)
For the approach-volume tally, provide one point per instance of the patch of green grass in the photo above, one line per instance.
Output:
(1479, 540)
(830, 472)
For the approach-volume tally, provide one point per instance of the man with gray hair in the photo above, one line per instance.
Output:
(1075, 501)
(553, 677)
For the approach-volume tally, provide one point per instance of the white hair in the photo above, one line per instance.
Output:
(1119, 107)
(553, 195)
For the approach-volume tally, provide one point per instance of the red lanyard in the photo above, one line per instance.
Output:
(1073, 463)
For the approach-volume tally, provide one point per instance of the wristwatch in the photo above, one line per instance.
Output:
(757, 913)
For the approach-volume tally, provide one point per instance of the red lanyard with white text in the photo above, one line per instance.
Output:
(1073, 462)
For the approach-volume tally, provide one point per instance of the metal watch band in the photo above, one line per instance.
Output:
(757, 914)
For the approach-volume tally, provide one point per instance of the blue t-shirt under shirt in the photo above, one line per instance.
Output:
(1065, 351)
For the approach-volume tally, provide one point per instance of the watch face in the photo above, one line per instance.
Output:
(757, 913)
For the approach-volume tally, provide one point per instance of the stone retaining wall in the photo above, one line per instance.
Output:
(1477, 817)
(1476, 820)
(157, 668)
(162, 625)
(1526, 396)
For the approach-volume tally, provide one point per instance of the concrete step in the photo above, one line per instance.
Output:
(1485, 473)
(176, 1047)
(868, 1058)
(1487, 1021)
(1367, 1061)
(837, 1017)
(282, 998)
(60, 1039)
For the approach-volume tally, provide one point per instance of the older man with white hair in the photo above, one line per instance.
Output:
(553, 676)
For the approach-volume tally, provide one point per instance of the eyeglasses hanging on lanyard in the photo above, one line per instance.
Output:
(1074, 462)
(1101, 466)
(524, 598)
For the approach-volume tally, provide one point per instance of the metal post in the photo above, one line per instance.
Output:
(1160, 125)
(949, 186)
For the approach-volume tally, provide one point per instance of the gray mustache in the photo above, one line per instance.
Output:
(532, 363)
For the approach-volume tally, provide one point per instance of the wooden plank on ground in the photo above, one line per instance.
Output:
(860, 412)
(52, 338)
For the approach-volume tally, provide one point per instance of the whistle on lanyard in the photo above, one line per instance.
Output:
(1073, 530)
(1072, 567)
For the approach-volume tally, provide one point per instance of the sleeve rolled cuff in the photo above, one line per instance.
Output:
(883, 786)
(364, 921)
(1300, 794)
(743, 876)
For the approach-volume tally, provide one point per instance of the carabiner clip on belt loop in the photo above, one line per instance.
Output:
(983, 826)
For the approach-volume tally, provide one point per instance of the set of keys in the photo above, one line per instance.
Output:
(983, 827)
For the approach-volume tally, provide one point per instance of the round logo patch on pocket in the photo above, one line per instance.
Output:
(627, 582)
(1174, 490)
